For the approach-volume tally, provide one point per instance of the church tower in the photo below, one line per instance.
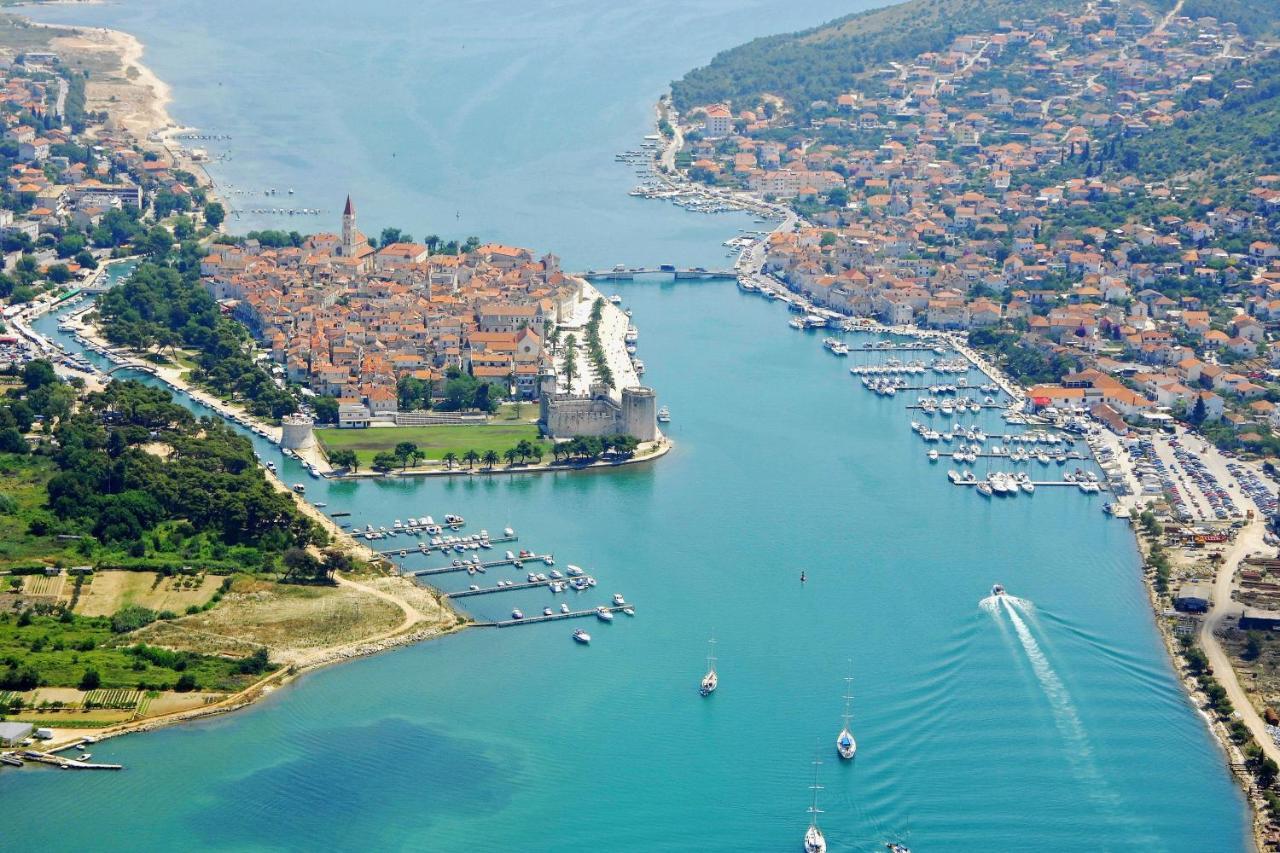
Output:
(349, 229)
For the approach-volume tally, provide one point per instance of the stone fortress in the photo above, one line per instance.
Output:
(568, 415)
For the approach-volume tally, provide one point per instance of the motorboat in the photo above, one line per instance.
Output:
(581, 636)
(604, 614)
(664, 415)
(517, 614)
(933, 455)
(997, 589)
(564, 608)
(547, 611)
(618, 600)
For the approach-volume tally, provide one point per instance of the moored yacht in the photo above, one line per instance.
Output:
(814, 841)
(664, 415)
(710, 681)
(846, 746)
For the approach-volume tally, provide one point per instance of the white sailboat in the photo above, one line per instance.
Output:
(814, 841)
(710, 681)
(846, 746)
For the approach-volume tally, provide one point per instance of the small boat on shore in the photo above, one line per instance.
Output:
(710, 681)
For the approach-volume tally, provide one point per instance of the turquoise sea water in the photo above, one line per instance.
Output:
(1057, 726)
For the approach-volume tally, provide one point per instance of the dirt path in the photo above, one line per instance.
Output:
(1249, 541)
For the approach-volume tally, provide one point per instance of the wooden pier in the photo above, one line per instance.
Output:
(572, 614)
(491, 564)
(424, 548)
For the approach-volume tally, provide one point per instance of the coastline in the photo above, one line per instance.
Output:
(135, 98)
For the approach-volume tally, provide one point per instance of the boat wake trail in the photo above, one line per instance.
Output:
(991, 603)
(1065, 716)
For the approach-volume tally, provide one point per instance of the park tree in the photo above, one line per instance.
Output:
(344, 459)
(449, 459)
(490, 458)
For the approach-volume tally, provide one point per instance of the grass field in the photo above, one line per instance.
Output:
(435, 441)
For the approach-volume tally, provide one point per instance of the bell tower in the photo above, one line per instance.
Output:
(349, 229)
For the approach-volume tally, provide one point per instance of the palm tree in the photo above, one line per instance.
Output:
(471, 458)
(511, 455)
(536, 452)
(490, 458)
(449, 459)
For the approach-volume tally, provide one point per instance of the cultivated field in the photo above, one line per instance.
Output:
(111, 591)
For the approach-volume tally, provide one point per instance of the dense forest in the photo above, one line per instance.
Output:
(161, 307)
(131, 459)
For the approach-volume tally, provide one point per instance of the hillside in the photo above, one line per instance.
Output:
(1226, 147)
(820, 63)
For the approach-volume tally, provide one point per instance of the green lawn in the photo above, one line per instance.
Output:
(435, 440)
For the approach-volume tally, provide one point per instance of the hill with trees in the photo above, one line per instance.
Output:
(820, 63)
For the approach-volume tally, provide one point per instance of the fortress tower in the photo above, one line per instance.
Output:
(639, 413)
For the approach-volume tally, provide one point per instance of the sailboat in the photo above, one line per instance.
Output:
(710, 681)
(814, 841)
(845, 744)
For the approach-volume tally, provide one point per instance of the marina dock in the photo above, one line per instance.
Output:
(967, 404)
(67, 763)
(573, 614)
(491, 564)
(424, 548)
(900, 348)
(1038, 483)
(465, 593)
(1074, 456)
